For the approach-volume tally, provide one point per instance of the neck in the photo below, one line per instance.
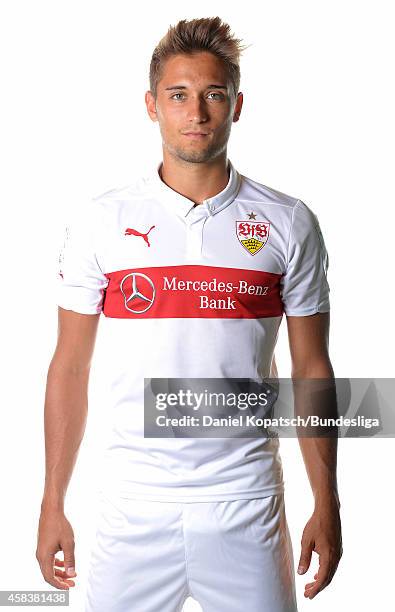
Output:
(195, 181)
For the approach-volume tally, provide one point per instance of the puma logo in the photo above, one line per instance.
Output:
(133, 232)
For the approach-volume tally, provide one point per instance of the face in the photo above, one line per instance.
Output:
(195, 107)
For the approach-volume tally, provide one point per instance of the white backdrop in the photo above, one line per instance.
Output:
(317, 123)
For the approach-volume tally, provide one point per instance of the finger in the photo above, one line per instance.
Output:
(61, 571)
(60, 563)
(70, 583)
(47, 570)
(312, 588)
(69, 572)
(329, 577)
(61, 574)
(69, 561)
(305, 557)
(311, 583)
(312, 591)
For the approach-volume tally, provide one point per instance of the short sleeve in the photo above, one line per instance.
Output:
(304, 285)
(81, 283)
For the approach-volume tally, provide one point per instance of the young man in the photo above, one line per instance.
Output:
(193, 266)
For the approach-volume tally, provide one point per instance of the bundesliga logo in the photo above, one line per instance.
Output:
(253, 235)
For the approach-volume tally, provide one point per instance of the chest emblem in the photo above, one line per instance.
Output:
(138, 292)
(133, 232)
(253, 235)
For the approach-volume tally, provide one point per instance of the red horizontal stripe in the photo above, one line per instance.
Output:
(192, 291)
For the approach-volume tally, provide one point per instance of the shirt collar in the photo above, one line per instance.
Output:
(185, 207)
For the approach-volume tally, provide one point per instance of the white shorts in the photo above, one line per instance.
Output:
(150, 556)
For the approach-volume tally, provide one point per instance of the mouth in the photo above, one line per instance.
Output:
(195, 135)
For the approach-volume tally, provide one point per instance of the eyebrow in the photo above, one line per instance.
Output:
(212, 86)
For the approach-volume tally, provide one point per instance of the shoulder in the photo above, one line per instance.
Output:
(254, 191)
(305, 220)
(133, 191)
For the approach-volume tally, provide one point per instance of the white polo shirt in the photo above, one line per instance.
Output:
(196, 292)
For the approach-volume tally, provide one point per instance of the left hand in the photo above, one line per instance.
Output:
(323, 535)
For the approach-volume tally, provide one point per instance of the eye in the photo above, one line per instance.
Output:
(213, 93)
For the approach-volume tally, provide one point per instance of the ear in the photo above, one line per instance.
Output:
(238, 107)
(150, 103)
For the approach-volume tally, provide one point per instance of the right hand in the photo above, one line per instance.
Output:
(55, 534)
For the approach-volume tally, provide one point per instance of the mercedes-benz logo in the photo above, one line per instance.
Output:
(139, 297)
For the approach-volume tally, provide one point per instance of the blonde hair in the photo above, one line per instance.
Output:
(205, 34)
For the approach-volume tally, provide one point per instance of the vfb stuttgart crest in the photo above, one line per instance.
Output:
(253, 235)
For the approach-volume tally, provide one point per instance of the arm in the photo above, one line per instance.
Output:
(65, 415)
(308, 340)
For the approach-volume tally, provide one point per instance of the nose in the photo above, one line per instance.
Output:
(197, 110)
